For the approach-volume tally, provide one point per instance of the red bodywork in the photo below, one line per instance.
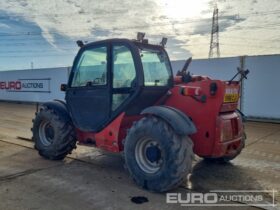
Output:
(219, 126)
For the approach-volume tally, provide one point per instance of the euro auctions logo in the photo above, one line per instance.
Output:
(257, 198)
(10, 85)
(26, 85)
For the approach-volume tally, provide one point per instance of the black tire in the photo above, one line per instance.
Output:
(59, 139)
(176, 154)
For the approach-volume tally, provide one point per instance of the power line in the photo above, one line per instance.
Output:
(33, 56)
(39, 51)
(73, 47)
(157, 24)
(60, 40)
(248, 39)
(114, 12)
(39, 54)
(134, 27)
(77, 31)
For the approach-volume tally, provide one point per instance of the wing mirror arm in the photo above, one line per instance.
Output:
(63, 87)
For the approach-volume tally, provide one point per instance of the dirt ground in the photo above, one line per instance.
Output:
(91, 179)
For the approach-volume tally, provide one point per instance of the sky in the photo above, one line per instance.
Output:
(42, 34)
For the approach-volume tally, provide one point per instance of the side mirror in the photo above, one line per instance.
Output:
(63, 87)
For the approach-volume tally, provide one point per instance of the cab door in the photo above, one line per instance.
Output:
(88, 95)
(124, 73)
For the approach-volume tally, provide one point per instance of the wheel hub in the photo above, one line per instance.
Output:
(148, 155)
(153, 153)
(46, 133)
(49, 131)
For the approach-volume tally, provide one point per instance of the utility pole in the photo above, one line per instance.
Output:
(32, 65)
(214, 43)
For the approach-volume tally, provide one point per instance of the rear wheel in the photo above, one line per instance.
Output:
(156, 157)
(53, 134)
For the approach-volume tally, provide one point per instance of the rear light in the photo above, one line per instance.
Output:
(226, 131)
(231, 128)
(190, 91)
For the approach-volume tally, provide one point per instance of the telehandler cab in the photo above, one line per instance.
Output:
(122, 97)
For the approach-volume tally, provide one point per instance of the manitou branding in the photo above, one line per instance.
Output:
(26, 85)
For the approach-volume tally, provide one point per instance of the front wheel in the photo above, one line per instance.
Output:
(53, 134)
(156, 157)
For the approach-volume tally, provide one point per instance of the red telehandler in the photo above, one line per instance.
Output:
(121, 96)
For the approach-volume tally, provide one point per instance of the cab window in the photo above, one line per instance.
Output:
(124, 73)
(92, 68)
(123, 69)
(157, 70)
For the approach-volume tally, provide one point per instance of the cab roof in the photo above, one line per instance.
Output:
(124, 40)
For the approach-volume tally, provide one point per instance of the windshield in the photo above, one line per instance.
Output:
(156, 66)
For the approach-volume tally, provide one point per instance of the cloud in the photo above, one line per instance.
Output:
(177, 49)
(78, 19)
(4, 26)
(187, 24)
